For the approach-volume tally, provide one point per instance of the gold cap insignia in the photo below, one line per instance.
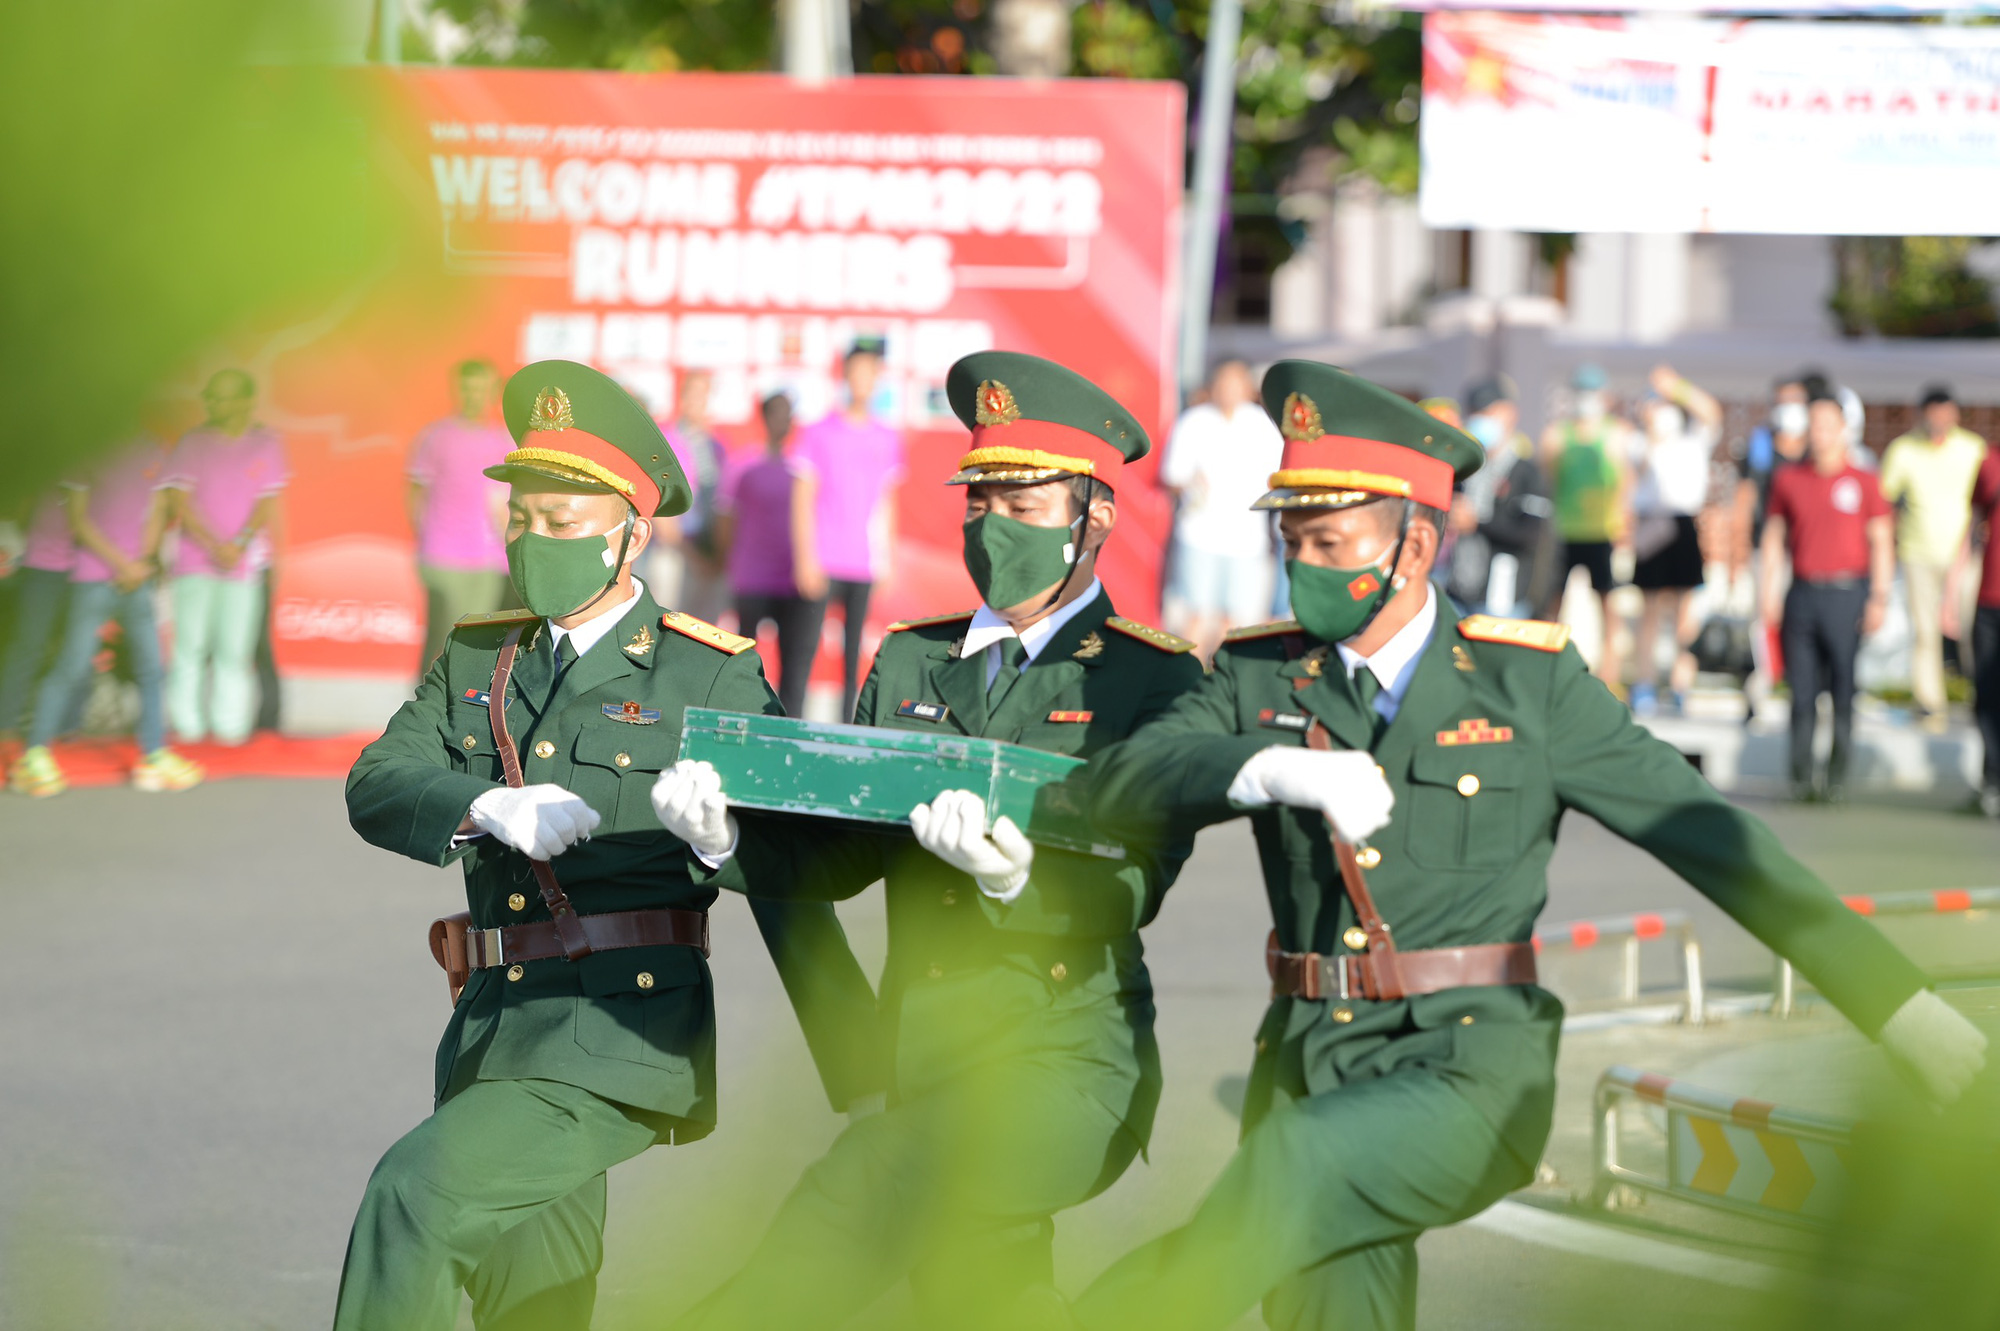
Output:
(1091, 648)
(551, 411)
(1301, 421)
(994, 404)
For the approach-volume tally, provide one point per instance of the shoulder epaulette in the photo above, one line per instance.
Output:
(1149, 635)
(1271, 630)
(706, 633)
(1536, 633)
(929, 620)
(487, 617)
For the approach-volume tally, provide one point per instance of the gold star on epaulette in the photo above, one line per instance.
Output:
(706, 633)
(1538, 634)
(1149, 635)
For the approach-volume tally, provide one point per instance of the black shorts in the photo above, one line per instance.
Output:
(1592, 555)
(1676, 566)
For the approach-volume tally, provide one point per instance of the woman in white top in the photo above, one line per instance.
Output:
(1678, 427)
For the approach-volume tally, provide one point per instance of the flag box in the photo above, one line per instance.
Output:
(868, 774)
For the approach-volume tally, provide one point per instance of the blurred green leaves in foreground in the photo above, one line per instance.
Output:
(164, 190)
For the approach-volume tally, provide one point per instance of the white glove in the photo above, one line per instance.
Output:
(540, 821)
(953, 828)
(1344, 785)
(688, 799)
(1935, 1044)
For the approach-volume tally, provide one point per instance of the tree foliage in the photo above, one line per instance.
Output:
(1911, 286)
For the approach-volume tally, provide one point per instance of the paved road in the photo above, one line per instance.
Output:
(216, 1010)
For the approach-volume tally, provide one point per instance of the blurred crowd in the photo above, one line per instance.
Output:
(1767, 554)
(188, 521)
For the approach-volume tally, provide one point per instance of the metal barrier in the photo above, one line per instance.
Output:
(1749, 1157)
(1944, 901)
(1633, 930)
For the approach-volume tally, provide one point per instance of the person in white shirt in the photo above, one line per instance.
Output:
(1220, 455)
(1679, 425)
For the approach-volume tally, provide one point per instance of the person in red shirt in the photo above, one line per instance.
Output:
(1986, 632)
(1831, 519)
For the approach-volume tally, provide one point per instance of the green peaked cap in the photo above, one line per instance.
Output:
(576, 425)
(1034, 420)
(1348, 440)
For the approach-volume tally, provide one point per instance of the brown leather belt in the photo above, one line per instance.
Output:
(1310, 975)
(539, 940)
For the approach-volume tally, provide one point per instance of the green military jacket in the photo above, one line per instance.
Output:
(1493, 742)
(1059, 971)
(596, 1023)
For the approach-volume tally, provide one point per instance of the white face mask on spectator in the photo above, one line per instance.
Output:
(1590, 405)
(1789, 418)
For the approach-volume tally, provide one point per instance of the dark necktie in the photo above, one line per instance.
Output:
(1367, 688)
(1012, 656)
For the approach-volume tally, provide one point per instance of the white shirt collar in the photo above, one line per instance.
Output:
(1395, 661)
(591, 632)
(988, 629)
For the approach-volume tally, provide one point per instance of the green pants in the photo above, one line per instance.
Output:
(953, 1189)
(1317, 1214)
(499, 1193)
(452, 593)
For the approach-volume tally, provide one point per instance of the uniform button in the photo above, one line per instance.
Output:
(515, 971)
(1355, 938)
(936, 972)
(1465, 1020)
(545, 749)
(470, 741)
(645, 979)
(1468, 785)
(1058, 972)
(951, 896)
(1263, 1045)
(1343, 1015)
(1368, 857)
(623, 760)
(517, 902)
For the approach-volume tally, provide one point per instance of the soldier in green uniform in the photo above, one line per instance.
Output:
(586, 1030)
(1405, 1069)
(1015, 992)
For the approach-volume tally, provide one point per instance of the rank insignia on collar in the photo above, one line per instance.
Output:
(1462, 660)
(1273, 719)
(632, 713)
(1315, 661)
(1081, 718)
(642, 642)
(1092, 648)
(1476, 731)
(923, 711)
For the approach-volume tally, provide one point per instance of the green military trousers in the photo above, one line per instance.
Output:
(953, 1188)
(1317, 1214)
(499, 1193)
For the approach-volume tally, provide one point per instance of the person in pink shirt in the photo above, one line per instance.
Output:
(41, 591)
(118, 516)
(858, 463)
(457, 513)
(226, 476)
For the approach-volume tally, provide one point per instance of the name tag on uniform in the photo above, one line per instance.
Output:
(632, 713)
(1478, 731)
(924, 711)
(1273, 719)
(1081, 718)
(482, 698)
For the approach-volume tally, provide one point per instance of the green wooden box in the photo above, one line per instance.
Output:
(875, 775)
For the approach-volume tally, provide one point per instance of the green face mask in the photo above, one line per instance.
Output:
(558, 577)
(1334, 604)
(1011, 560)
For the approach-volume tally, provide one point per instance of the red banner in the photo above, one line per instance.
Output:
(753, 227)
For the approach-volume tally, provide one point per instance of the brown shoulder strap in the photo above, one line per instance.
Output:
(1381, 947)
(575, 946)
